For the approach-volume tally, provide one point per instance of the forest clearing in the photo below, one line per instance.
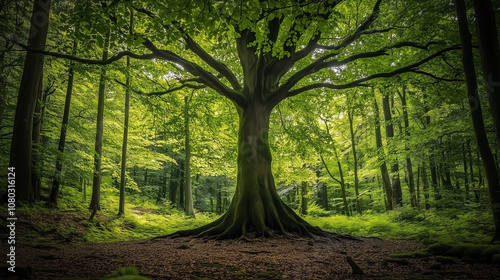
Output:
(283, 139)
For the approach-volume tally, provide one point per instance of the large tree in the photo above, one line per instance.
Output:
(284, 48)
(29, 93)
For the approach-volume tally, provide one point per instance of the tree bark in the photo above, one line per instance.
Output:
(123, 171)
(303, 198)
(54, 191)
(477, 117)
(355, 158)
(383, 166)
(96, 183)
(256, 206)
(487, 35)
(189, 210)
(31, 85)
(411, 181)
(397, 195)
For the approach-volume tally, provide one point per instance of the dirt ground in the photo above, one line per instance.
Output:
(258, 258)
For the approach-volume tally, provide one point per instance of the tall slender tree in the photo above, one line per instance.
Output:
(96, 183)
(189, 209)
(54, 191)
(477, 117)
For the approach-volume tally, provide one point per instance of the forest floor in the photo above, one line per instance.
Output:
(255, 258)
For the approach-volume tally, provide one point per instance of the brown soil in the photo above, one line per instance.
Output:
(275, 258)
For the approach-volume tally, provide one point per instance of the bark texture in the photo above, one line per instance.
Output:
(31, 85)
(477, 117)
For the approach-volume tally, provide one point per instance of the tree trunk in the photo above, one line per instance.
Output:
(96, 183)
(54, 191)
(174, 180)
(490, 56)
(425, 186)
(397, 195)
(466, 176)
(477, 117)
(411, 182)
(31, 85)
(123, 171)
(383, 167)
(353, 145)
(256, 206)
(189, 210)
(181, 184)
(303, 198)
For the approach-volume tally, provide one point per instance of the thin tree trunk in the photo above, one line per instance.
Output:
(397, 195)
(96, 183)
(477, 117)
(123, 173)
(189, 210)
(29, 91)
(411, 182)
(425, 187)
(383, 167)
(355, 158)
(54, 191)
(466, 176)
(303, 198)
(181, 184)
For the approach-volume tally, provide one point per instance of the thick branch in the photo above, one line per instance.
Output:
(359, 82)
(206, 77)
(217, 65)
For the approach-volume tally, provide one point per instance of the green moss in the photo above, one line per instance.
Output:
(439, 248)
(445, 260)
(473, 251)
(422, 253)
(457, 251)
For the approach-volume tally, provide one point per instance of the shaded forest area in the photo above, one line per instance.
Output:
(336, 128)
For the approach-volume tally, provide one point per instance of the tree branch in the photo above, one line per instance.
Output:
(206, 77)
(328, 170)
(89, 61)
(217, 65)
(363, 27)
(436, 77)
(359, 82)
(159, 93)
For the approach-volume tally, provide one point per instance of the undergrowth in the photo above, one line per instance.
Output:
(145, 219)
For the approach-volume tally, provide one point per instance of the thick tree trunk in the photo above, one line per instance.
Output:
(477, 117)
(397, 195)
(383, 166)
(96, 184)
(31, 85)
(54, 191)
(189, 210)
(256, 206)
(490, 56)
